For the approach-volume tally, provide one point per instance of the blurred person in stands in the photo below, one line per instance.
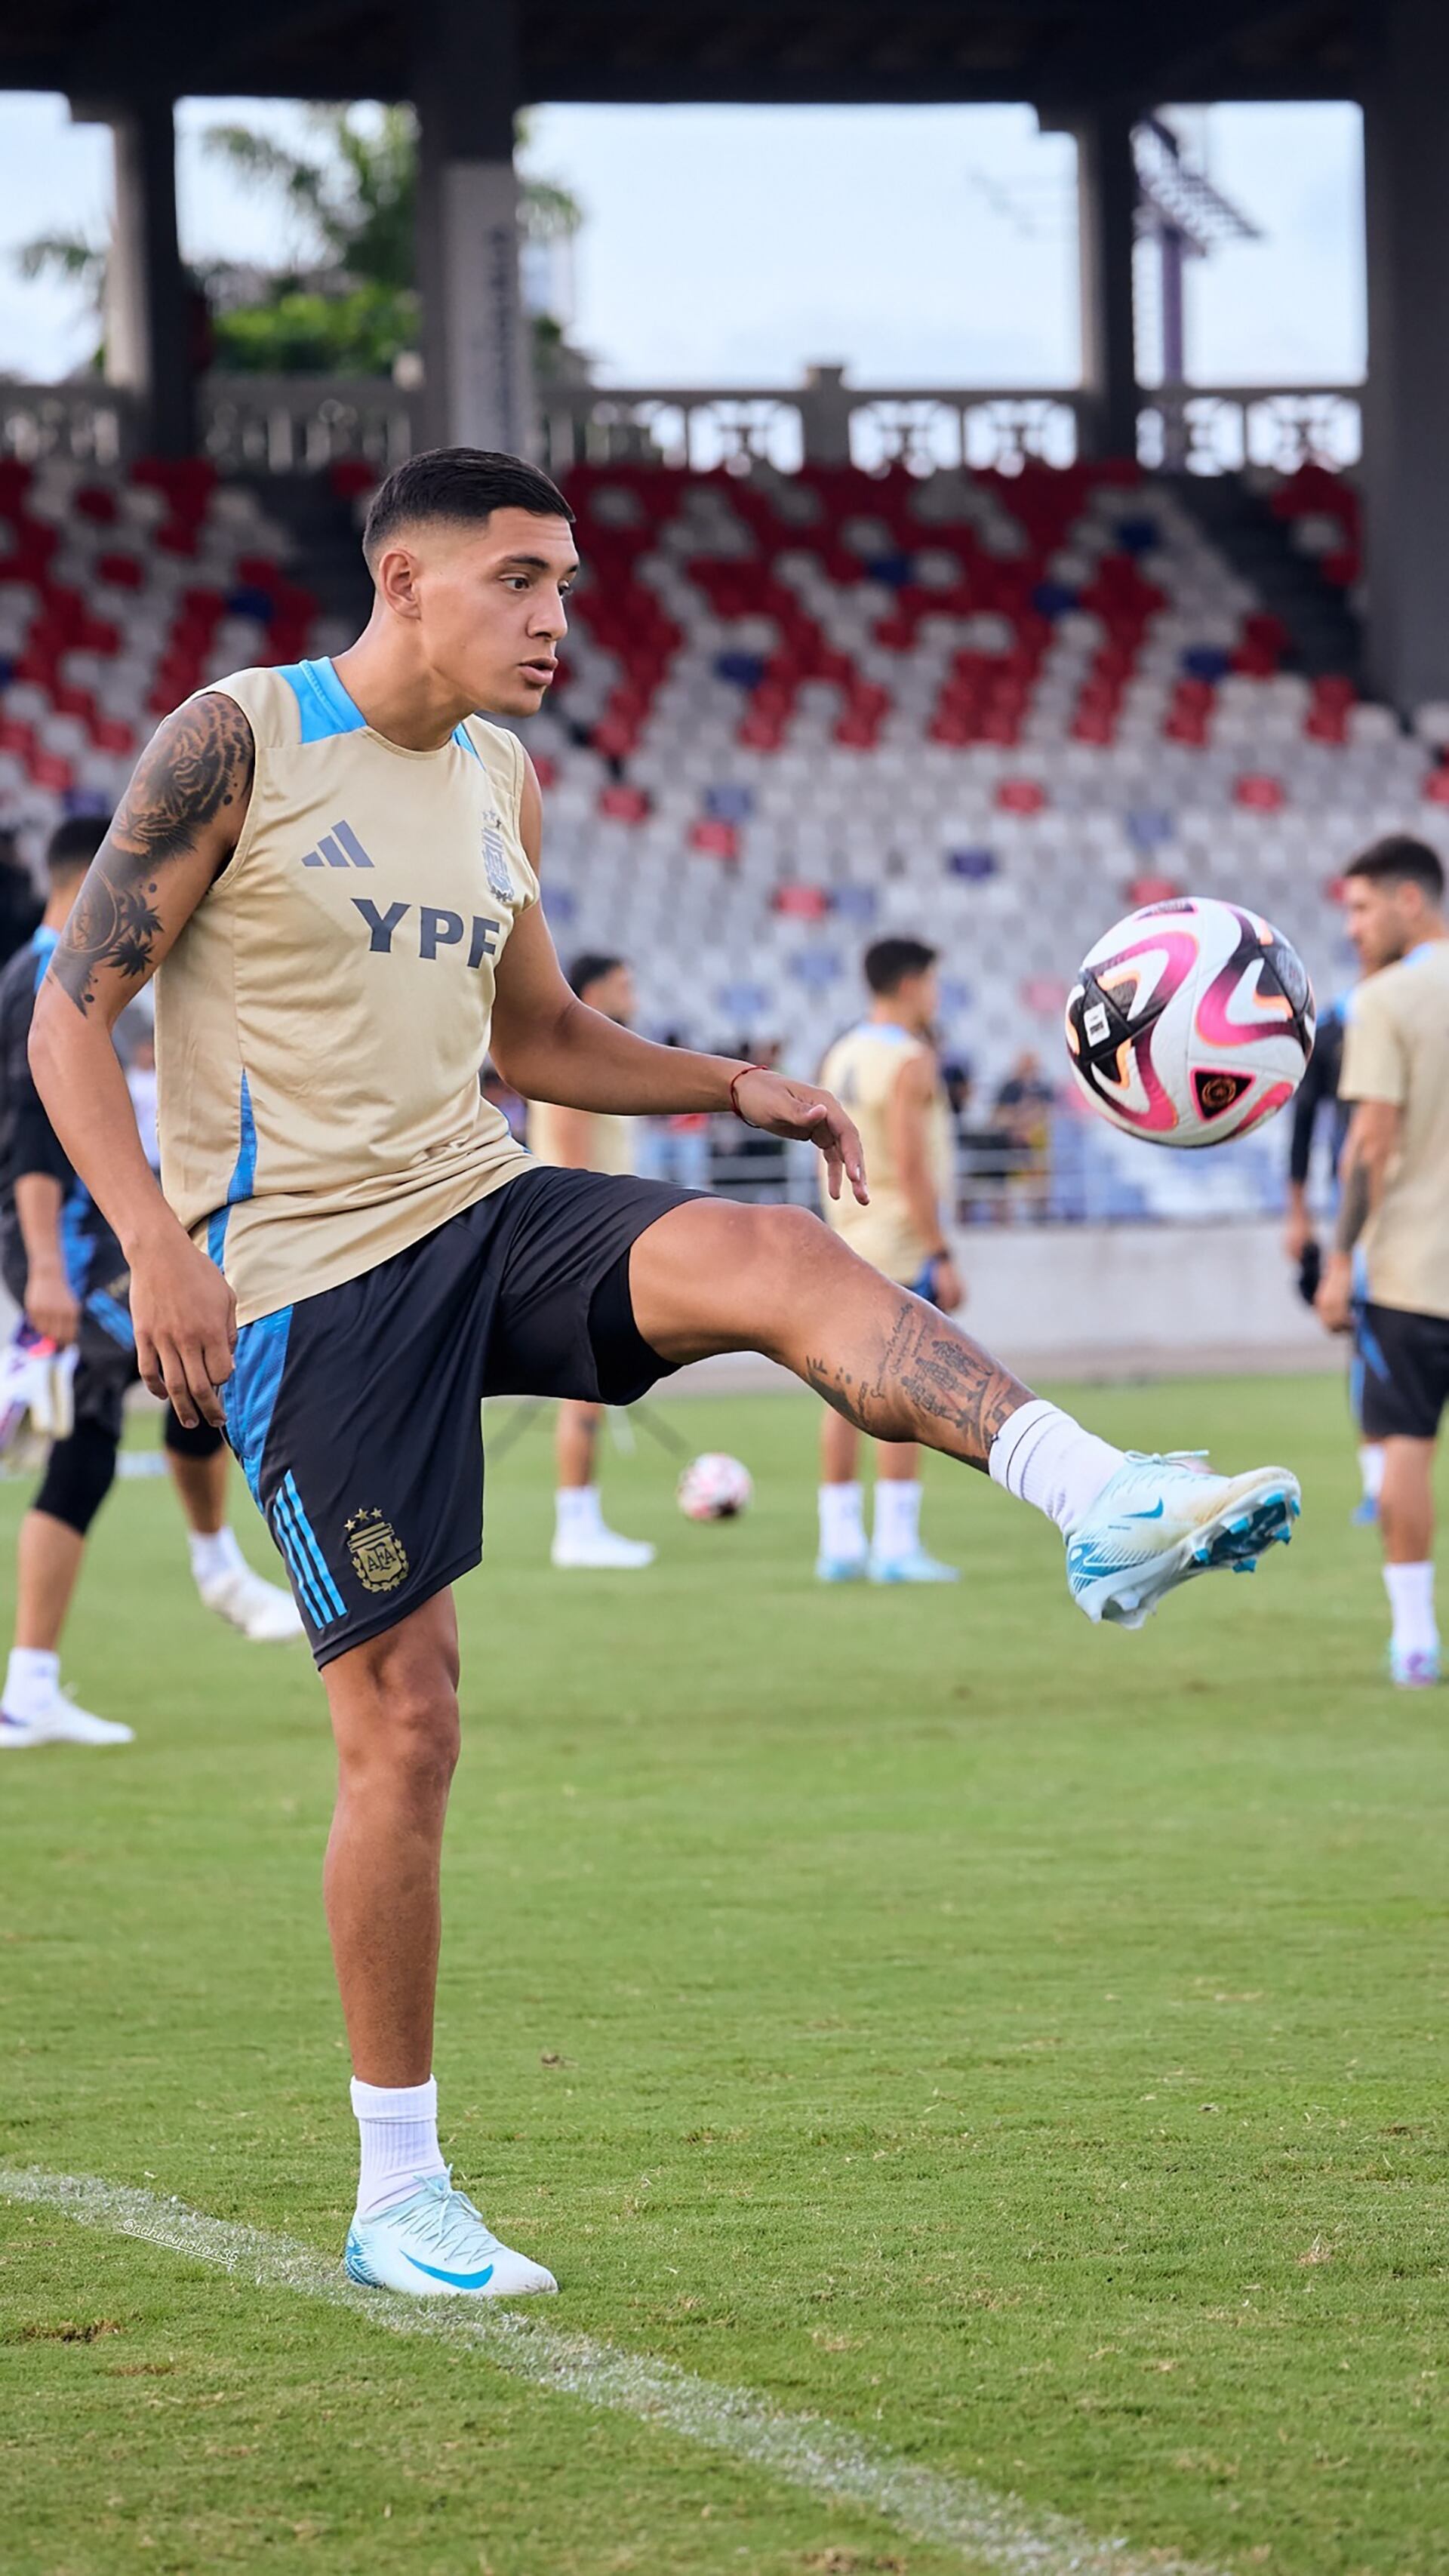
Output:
(1023, 1109)
(588, 1140)
(1318, 1093)
(66, 1272)
(1387, 1277)
(885, 1072)
(20, 905)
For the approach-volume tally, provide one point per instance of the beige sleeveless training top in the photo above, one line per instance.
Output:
(323, 1018)
(862, 1070)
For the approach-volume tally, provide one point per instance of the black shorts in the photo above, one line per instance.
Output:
(1401, 1372)
(356, 1413)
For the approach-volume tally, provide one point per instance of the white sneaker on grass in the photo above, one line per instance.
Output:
(435, 2244)
(60, 1722)
(262, 1611)
(1159, 1521)
(601, 1549)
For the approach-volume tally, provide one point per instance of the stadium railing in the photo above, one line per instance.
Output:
(290, 424)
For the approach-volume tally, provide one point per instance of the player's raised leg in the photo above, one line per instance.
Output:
(394, 1708)
(711, 1276)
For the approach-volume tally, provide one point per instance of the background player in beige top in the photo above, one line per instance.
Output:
(1389, 1271)
(885, 1072)
(327, 975)
(588, 1140)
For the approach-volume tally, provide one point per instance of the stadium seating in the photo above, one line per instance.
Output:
(802, 710)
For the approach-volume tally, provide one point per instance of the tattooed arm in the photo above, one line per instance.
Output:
(175, 831)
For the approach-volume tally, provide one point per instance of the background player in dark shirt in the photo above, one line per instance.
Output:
(64, 1268)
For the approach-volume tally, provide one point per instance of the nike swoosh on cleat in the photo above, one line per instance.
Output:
(1154, 1515)
(455, 2280)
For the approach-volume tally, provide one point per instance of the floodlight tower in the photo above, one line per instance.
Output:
(1179, 208)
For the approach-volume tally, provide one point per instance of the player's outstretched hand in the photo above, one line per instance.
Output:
(784, 1108)
(185, 1320)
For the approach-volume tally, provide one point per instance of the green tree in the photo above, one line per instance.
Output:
(348, 305)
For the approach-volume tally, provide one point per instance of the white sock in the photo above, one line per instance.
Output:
(1043, 1457)
(214, 1553)
(1411, 1598)
(399, 2130)
(842, 1522)
(576, 1511)
(1371, 1468)
(897, 1518)
(32, 1678)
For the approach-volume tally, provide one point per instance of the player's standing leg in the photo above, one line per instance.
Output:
(1406, 1515)
(394, 1708)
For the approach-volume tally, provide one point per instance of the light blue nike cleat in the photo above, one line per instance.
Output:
(1365, 1514)
(1159, 1521)
(1417, 1671)
(918, 1567)
(435, 2244)
(840, 1569)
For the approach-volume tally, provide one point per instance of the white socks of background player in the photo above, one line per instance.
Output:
(214, 1554)
(398, 2125)
(32, 1679)
(1371, 1468)
(897, 1520)
(842, 1524)
(1411, 1598)
(577, 1512)
(1043, 1457)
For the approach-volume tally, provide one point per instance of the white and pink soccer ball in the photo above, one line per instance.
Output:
(1190, 1022)
(715, 1487)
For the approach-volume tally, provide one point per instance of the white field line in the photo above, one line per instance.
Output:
(995, 2533)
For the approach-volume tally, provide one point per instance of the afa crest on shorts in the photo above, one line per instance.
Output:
(379, 1559)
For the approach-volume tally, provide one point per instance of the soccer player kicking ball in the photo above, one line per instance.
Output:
(335, 869)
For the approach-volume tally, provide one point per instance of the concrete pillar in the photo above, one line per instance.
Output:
(148, 294)
(477, 377)
(1406, 412)
(1106, 209)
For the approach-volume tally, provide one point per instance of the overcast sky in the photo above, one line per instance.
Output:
(733, 245)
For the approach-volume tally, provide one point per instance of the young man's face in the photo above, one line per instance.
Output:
(1384, 919)
(487, 601)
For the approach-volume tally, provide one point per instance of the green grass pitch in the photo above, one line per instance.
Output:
(1019, 2043)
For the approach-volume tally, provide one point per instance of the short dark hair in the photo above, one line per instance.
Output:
(1398, 859)
(591, 968)
(463, 483)
(74, 843)
(890, 961)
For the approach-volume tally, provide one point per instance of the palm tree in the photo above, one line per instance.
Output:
(349, 304)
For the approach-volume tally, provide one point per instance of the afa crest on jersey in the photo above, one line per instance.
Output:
(495, 858)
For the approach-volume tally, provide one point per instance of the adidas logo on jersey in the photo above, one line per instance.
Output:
(339, 848)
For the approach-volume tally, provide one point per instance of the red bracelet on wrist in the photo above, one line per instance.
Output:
(735, 1080)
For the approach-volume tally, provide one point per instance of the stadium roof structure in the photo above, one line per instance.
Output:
(1053, 53)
